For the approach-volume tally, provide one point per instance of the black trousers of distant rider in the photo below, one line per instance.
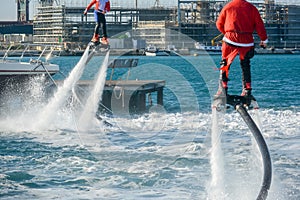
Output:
(100, 23)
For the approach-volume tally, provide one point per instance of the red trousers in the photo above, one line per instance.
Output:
(229, 52)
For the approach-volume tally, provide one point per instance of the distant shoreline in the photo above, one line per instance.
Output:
(133, 52)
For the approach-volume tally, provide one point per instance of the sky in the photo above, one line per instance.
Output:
(8, 10)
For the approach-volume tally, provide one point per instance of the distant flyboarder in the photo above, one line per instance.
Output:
(237, 21)
(101, 8)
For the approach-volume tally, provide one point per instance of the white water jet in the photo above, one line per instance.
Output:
(216, 188)
(95, 97)
(63, 92)
(257, 117)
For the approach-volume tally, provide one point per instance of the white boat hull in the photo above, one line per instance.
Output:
(158, 53)
(27, 68)
(150, 53)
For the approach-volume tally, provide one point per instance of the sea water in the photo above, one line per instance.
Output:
(163, 154)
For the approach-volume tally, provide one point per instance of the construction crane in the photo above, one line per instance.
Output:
(156, 4)
(23, 10)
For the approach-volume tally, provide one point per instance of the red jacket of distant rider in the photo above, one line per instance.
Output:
(238, 20)
(101, 5)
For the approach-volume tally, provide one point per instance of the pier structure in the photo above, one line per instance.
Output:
(132, 96)
(128, 96)
(125, 96)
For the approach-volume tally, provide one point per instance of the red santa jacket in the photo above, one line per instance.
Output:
(102, 5)
(238, 20)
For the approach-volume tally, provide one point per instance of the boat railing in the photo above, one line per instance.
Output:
(36, 51)
(6, 53)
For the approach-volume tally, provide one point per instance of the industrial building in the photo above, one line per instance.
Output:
(197, 20)
(20, 30)
(58, 24)
(55, 23)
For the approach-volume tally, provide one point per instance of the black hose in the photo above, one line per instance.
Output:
(267, 177)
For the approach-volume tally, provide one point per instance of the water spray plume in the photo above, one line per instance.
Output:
(95, 97)
(47, 115)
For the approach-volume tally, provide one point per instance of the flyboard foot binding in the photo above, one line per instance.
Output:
(224, 102)
(245, 101)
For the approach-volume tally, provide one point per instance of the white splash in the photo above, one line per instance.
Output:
(216, 188)
(92, 103)
(63, 93)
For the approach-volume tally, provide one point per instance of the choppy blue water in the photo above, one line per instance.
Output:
(159, 155)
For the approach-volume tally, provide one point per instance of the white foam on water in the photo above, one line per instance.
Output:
(155, 167)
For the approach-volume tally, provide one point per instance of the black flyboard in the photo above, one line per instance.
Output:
(232, 100)
(99, 46)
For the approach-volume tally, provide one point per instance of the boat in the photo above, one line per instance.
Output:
(202, 49)
(172, 51)
(295, 51)
(18, 67)
(152, 50)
